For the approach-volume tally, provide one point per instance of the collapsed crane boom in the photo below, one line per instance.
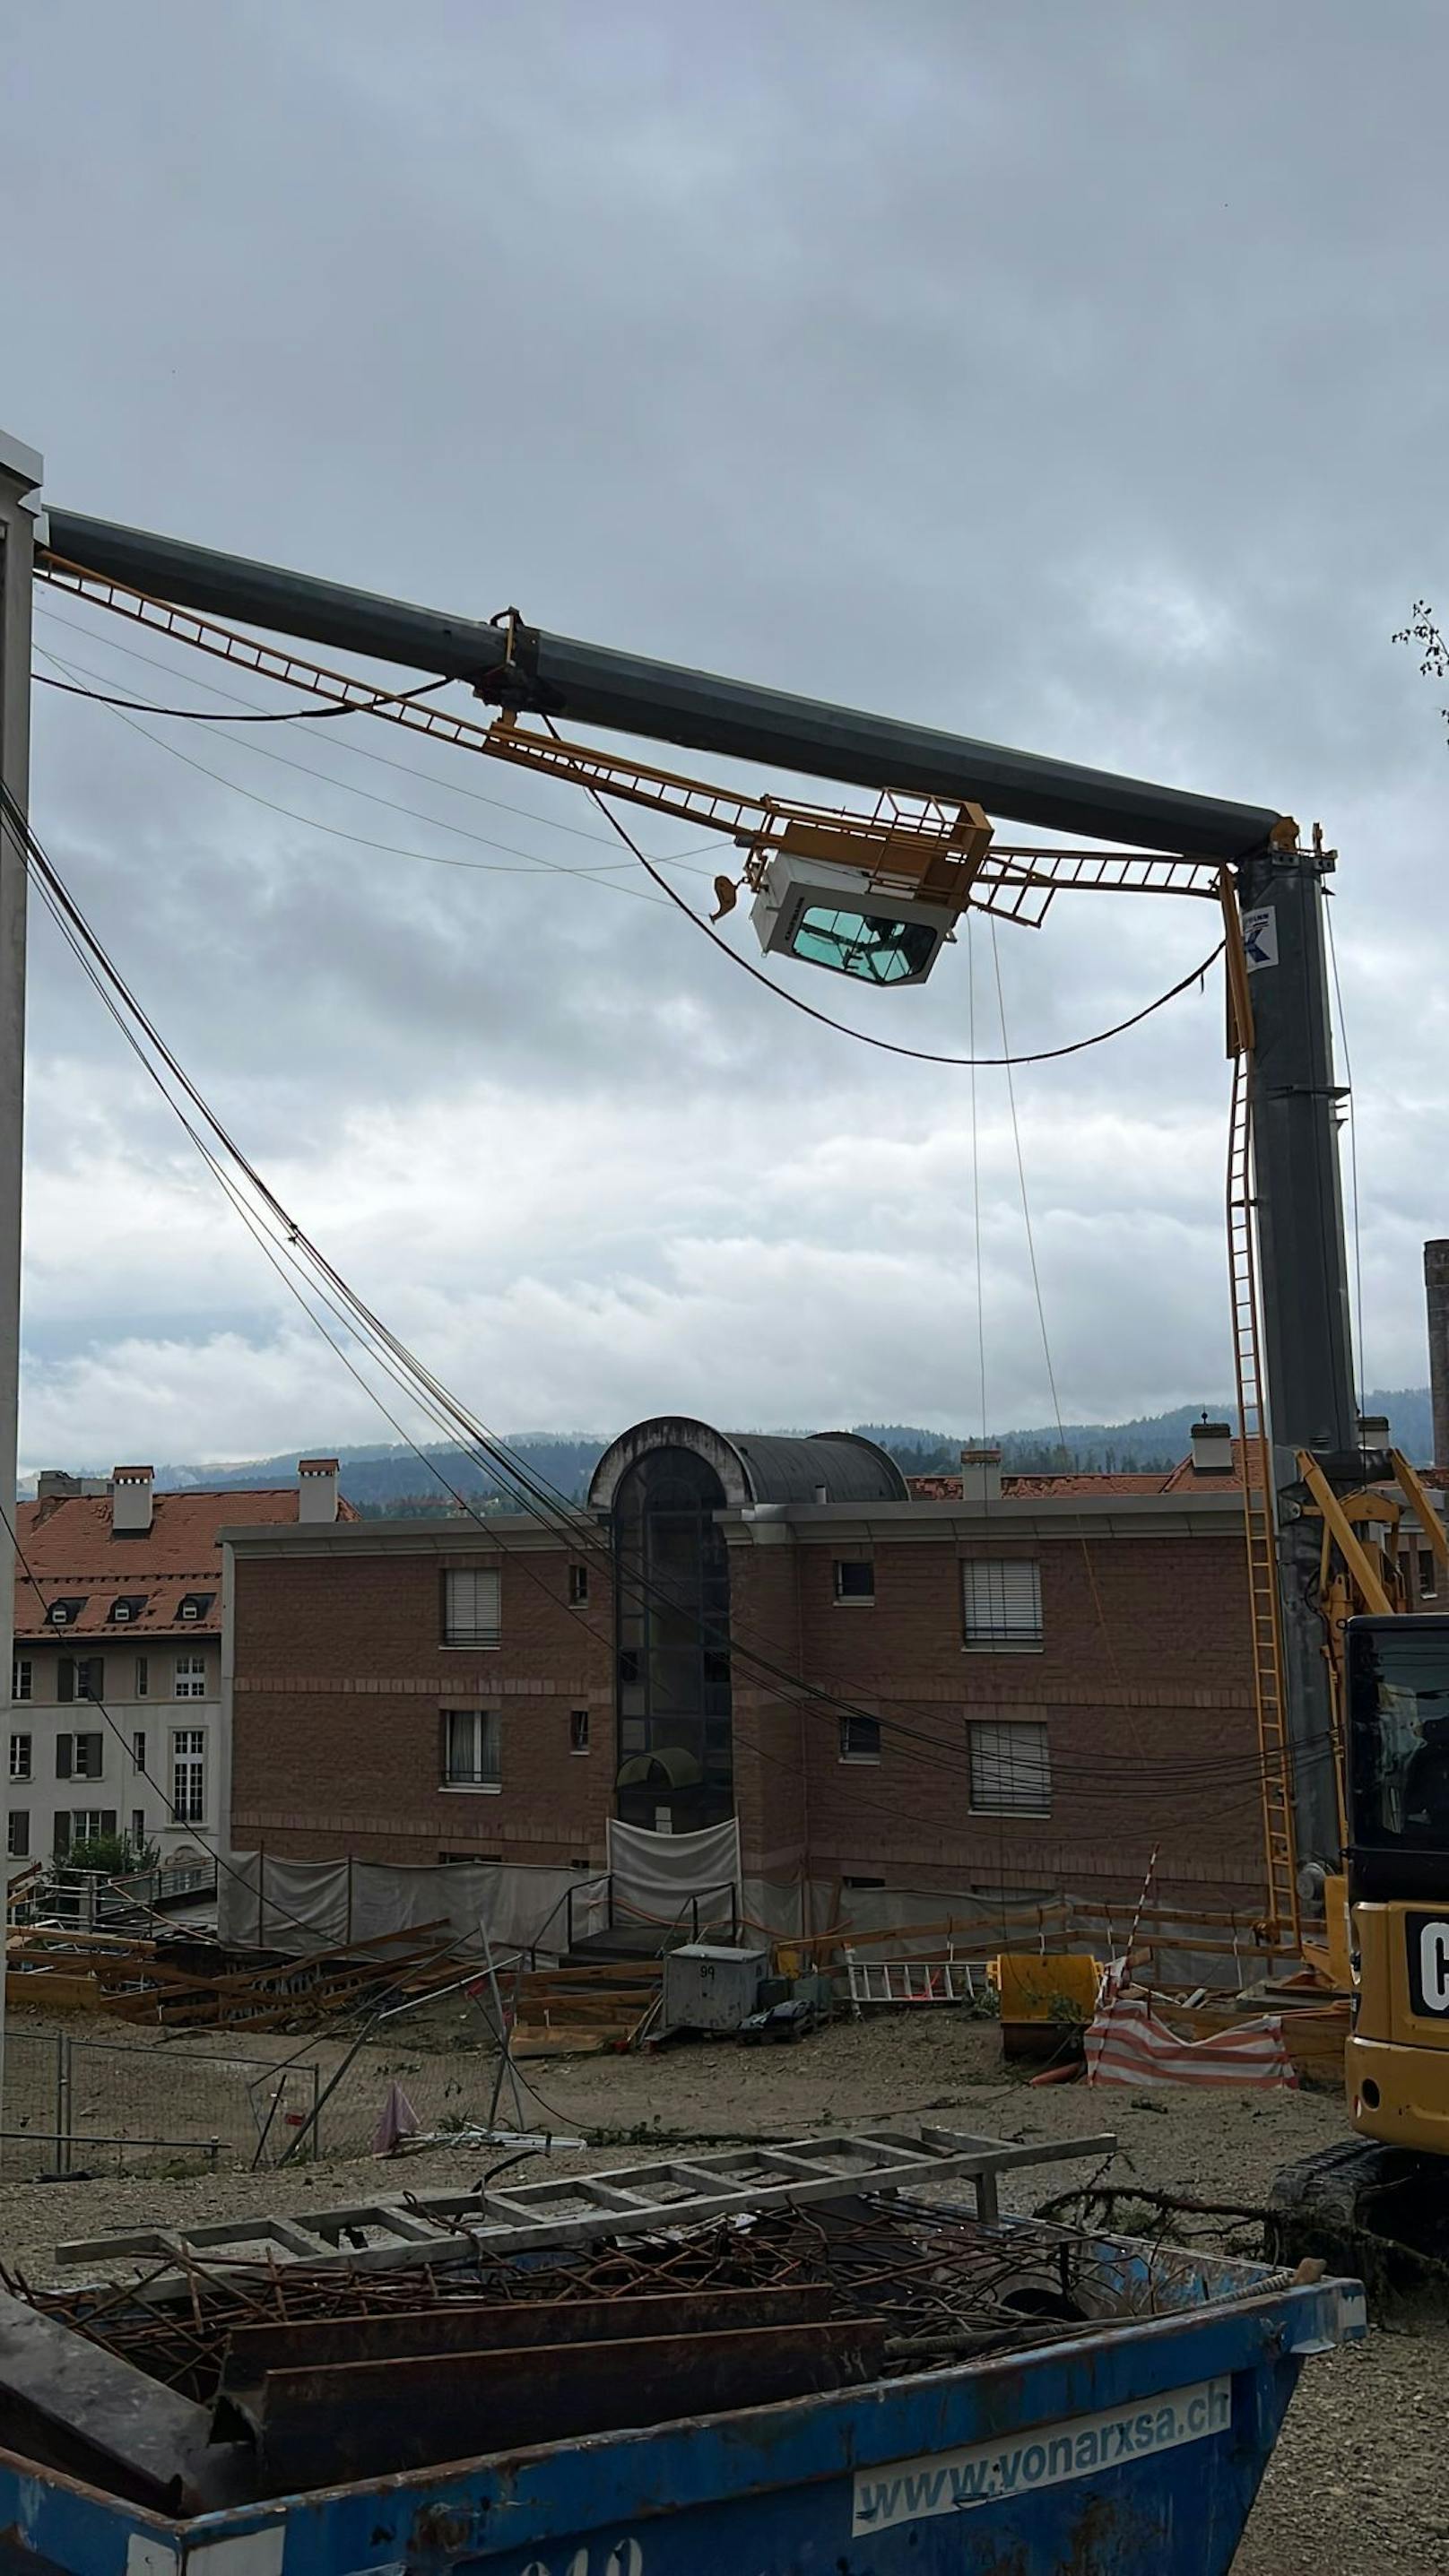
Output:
(931, 787)
(593, 684)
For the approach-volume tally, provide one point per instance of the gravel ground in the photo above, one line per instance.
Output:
(1355, 2487)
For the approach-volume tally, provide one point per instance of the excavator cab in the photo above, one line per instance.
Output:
(1377, 2204)
(1397, 1783)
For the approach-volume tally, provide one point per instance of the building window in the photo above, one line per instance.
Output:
(20, 1755)
(129, 1606)
(79, 1757)
(472, 1751)
(17, 1833)
(1002, 1603)
(138, 1829)
(191, 1677)
(22, 1677)
(138, 1752)
(143, 1678)
(1010, 1769)
(188, 1775)
(80, 1677)
(82, 1825)
(859, 1738)
(1428, 1577)
(470, 1605)
(854, 1578)
(578, 1585)
(578, 1730)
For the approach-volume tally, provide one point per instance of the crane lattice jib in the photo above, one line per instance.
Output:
(916, 845)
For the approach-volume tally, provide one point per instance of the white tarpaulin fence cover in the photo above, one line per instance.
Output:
(656, 1874)
(303, 1905)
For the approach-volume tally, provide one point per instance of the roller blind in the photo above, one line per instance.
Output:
(1002, 1602)
(1010, 1769)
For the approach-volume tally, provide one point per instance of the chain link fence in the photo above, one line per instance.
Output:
(75, 2106)
(85, 2106)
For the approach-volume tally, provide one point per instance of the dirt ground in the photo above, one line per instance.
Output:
(1356, 2484)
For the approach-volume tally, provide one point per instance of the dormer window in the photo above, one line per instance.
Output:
(128, 1607)
(194, 1606)
(64, 1614)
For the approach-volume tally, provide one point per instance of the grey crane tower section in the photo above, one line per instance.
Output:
(1308, 1371)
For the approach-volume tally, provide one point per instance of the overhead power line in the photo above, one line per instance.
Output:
(275, 715)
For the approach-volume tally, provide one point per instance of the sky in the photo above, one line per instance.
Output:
(1076, 378)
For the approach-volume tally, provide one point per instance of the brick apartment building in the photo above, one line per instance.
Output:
(116, 1713)
(1043, 1678)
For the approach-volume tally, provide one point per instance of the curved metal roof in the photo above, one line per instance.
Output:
(760, 1466)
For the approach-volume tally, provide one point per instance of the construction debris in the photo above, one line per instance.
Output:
(194, 1985)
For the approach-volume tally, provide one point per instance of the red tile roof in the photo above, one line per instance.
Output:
(1052, 1488)
(1183, 1473)
(67, 1545)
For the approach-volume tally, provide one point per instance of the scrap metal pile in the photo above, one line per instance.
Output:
(316, 2374)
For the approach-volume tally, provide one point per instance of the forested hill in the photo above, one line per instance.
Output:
(394, 1479)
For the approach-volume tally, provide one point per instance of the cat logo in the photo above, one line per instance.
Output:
(1428, 1936)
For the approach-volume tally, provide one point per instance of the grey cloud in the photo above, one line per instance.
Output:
(1076, 376)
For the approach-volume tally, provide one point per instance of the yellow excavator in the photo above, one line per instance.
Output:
(1377, 2203)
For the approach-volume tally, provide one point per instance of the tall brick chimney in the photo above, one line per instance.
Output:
(1436, 1300)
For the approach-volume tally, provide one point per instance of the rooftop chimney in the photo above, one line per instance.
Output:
(1212, 1448)
(1436, 1298)
(56, 1485)
(316, 1489)
(981, 1475)
(131, 1501)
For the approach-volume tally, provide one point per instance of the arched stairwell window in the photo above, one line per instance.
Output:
(672, 1597)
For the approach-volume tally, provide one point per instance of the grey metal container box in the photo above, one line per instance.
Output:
(711, 1989)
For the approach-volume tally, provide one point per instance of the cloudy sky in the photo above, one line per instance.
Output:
(1072, 375)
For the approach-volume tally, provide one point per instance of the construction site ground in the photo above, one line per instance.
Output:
(1356, 2482)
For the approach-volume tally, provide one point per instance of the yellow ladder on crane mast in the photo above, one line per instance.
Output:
(1283, 1922)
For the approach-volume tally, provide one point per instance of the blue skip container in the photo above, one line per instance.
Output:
(1125, 2449)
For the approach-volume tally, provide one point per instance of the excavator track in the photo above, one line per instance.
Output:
(1374, 2213)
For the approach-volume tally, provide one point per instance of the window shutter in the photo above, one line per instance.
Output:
(471, 1605)
(62, 1834)
(1002, 1600)
(108, 1820)
(92, 1748)
(443, 1742)
(1010, 1769)
(65, 1677)
(63, 1745)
